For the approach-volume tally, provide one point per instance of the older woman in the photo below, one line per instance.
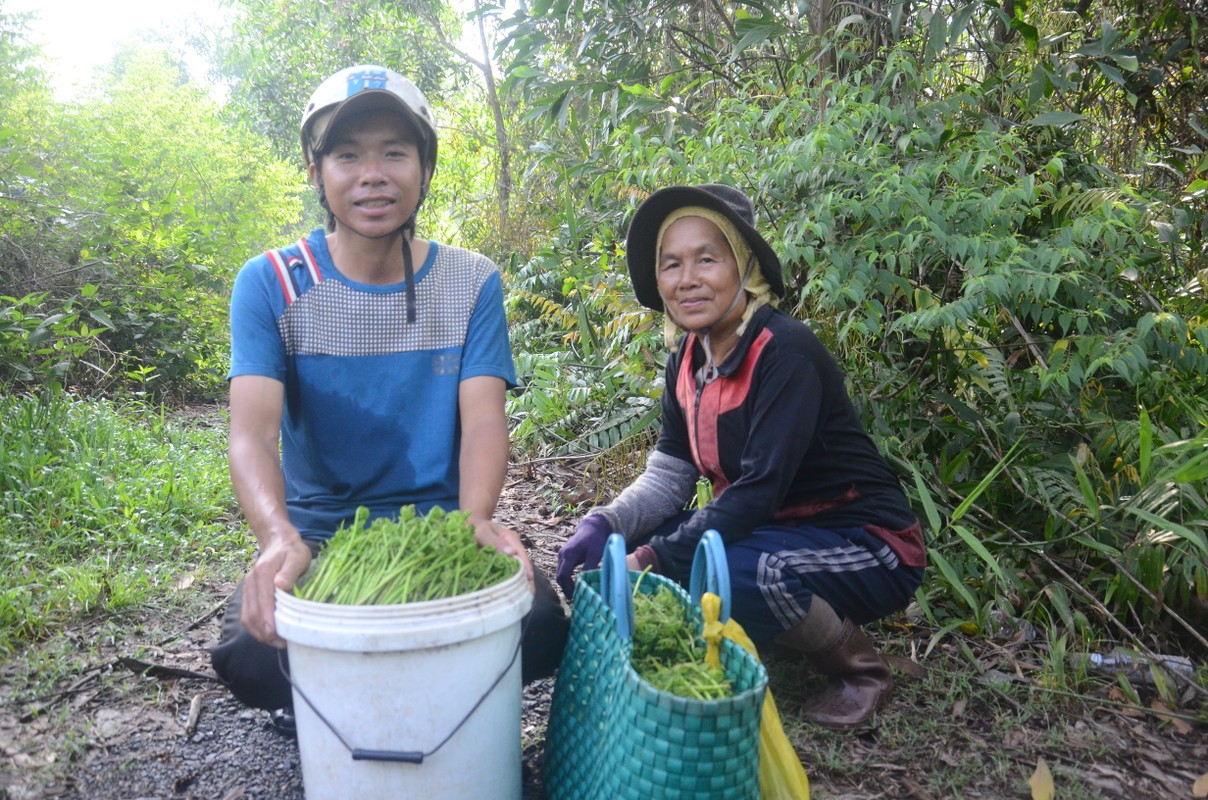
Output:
(820, 538)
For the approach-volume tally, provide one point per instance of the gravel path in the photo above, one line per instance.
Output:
(234, 753)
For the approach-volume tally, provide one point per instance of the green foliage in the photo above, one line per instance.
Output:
(587, 359)
(1008, 308)
(1007, 325)
(134, 210)
(21, 78)
(41, 342)
(1130, 80)
(102, 504)
(279, 52)
(993, 214)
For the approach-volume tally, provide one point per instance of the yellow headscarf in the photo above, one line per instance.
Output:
(754, 284)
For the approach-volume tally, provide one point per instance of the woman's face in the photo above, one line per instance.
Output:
(698, 277)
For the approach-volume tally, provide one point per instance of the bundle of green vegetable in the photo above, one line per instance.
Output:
(666, 652)
(408, 560)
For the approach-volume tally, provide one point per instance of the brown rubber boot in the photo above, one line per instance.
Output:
(860, 681)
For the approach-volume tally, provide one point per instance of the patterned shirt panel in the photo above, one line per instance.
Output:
(347, 319)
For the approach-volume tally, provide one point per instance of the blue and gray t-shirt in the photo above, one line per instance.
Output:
(370, 412)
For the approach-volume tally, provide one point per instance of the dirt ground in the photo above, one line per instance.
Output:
(970, 718)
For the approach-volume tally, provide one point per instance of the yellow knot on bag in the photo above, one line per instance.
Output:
(781, 776)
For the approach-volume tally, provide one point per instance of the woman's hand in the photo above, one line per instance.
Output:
(585, 548)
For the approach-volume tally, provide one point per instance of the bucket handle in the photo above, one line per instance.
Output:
(402, 756)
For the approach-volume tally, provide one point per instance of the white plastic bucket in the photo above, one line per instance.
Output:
(393, 682)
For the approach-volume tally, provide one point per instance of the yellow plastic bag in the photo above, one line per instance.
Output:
(781, 776)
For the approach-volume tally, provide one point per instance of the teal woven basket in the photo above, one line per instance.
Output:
(613, 736)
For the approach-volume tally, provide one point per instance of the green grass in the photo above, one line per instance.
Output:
(105, 505)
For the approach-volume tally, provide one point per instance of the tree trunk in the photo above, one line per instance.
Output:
(503, 180)
(820, 18)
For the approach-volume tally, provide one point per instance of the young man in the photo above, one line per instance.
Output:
(368, 368)
(819, 536)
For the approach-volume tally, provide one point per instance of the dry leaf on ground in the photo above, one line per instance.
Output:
(1042, 782)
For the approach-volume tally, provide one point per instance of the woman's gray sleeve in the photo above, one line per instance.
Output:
(658, 494)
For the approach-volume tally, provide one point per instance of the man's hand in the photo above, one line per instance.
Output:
(278, 567)
(489, 533)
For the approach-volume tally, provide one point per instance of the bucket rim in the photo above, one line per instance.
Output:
(422, 606)
(403, 626)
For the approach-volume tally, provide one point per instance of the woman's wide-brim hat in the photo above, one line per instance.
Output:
(642, 240)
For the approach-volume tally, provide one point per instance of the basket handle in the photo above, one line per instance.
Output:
(710, 572)
(614, 584)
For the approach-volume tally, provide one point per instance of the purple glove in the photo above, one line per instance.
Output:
(585, 548)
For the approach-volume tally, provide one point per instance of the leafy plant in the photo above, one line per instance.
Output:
(410, 559)
(668, 653)
(156, 201)
(103, 502)
(1005, 303)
